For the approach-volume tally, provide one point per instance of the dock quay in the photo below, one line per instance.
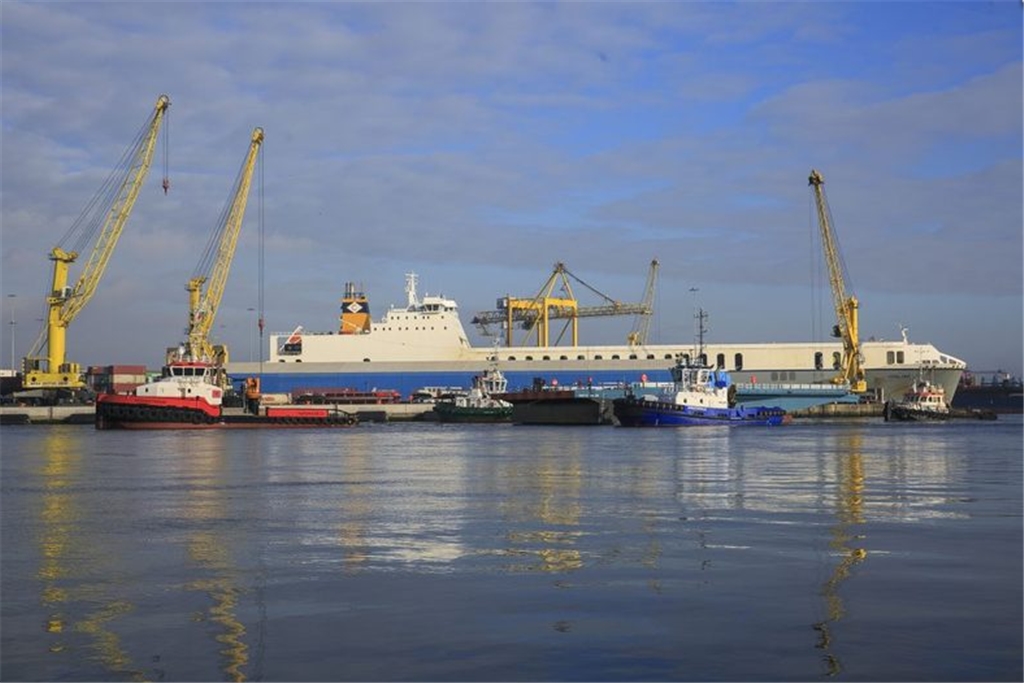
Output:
(422, 412)
(85, 414)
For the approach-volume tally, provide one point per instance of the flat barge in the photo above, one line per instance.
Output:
(559, 407)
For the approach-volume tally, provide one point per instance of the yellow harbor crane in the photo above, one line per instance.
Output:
(642, 326)
(535, 315)
(851, 369)
(115, 200)
(215, 264)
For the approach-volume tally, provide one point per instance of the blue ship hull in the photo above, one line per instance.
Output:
(633, 412)
(408, 382)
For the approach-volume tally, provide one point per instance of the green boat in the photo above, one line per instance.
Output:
(478, 404)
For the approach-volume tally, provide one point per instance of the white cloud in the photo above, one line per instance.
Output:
(468, 138)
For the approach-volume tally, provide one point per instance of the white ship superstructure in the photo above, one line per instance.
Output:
(425, 343)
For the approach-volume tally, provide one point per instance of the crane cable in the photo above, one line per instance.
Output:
(817, 315)
(84, 228)
(592, 289)
(167, 155)
(211, 250)
(261, 260)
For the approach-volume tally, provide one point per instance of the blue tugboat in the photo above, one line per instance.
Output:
(698, 395)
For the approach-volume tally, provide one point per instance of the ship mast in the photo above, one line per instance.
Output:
(410, 289)
(701, 316)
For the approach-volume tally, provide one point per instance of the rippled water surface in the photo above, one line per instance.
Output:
(845, 550)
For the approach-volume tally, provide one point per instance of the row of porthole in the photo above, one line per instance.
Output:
(668, 356)
(614, 356)
(400, 329)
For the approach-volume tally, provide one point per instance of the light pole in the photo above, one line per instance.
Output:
(252, 327)
(13, 298)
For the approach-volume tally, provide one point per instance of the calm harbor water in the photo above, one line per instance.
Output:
(853, 550)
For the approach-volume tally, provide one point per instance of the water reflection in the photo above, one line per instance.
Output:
(72, 568)
(556, 545)
(844, 543)
(541, 507)
(356, 505)
(208, 547)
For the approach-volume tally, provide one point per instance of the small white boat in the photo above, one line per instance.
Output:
(924, 402)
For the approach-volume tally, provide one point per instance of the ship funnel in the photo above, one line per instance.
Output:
(355, 311)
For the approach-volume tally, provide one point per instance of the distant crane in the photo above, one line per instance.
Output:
(846, 306)
(642, 325)
(115, 199)
(215, 265)
(535, 315)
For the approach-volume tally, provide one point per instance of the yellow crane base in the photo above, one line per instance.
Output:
(37, 379)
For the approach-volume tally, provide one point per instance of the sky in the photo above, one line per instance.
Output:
(478, 144)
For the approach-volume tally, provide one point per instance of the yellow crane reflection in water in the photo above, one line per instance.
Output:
(70, 570)
(845, 543)
(208, 550)
(546, 490)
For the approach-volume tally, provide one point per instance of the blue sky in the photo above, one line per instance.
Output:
(479, 143)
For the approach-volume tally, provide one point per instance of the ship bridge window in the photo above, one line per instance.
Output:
(890, 357)
(529, 358)
(511, 358)
(581, 357)
(632, 356)
(615, 356)
(563, 358)
(738, 361)
(837, 360)
(650, 356)
(819, 360)
(366, 360)
(720, 360)
(546, 358)
(598, 356)
(899, 358)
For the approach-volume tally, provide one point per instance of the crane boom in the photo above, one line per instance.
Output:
(203, 306)
(642, 326)
(846, 307)
(65, 302)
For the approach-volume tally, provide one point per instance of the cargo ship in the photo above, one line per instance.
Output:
(425, 344)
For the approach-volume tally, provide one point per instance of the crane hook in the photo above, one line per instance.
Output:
(166, 184)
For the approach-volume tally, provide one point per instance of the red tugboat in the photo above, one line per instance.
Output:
(184, 396)
(189, 397)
